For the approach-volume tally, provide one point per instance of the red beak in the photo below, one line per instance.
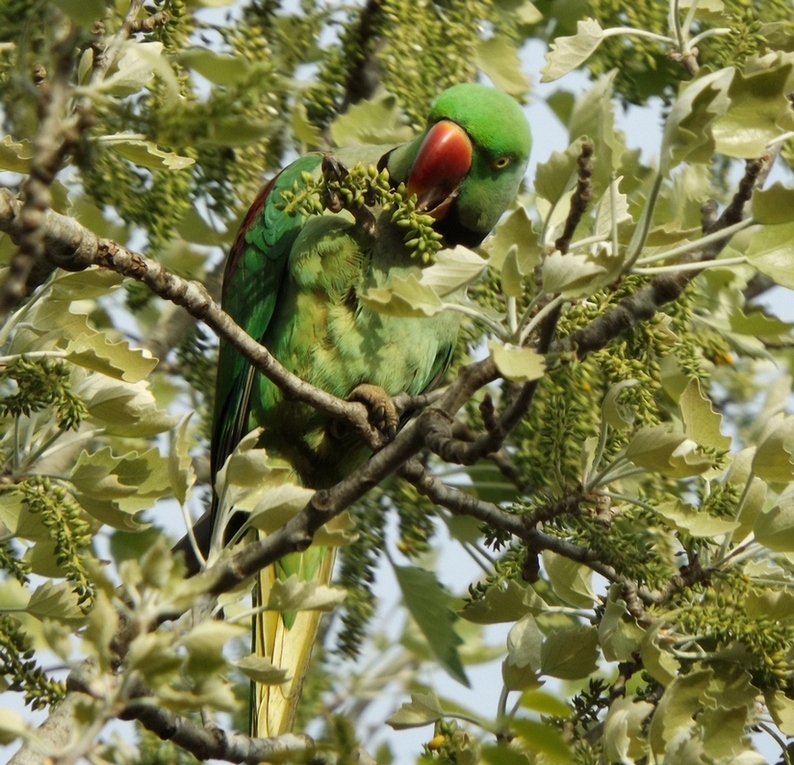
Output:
(442, 163)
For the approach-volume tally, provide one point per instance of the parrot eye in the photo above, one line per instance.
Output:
(502, 162)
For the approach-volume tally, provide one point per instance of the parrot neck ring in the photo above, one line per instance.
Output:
(441, 165)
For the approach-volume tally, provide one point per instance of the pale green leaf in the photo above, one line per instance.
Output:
(516, 363)
(308, 134)
(12, 726)
(624, 736)
(618, 632)
(403, 297)
(771, 251)
(277, 505)
(781, 709)
(701, 422)
(522, 664)
(83, 12)
(675, 714)
(512, 278)
(220, 68)
(661, 448)
(694, 521)
(148, 154)
(180, 465)
(101, 630)
(545, 703)
(659, 663)
(616, 413)
(567, 53)
(293, 594)
(570, 274)
(571, 581)
(688, 128)
(97, 352)
(205, 643)
(498, 58)
(428, 604)
(759, 105)
(544, 739)
(612, 210)
(15, 155)
(570, 654)
(153, 655)
(773, 205)
(134, 70)
(424, 709)
(452, 270)
(261, 670)
(379, 122)
(774, 455)
(514, 231)
(775, 528)
(507, 604)
(55, 601)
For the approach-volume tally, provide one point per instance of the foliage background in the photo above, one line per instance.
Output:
(163, 150)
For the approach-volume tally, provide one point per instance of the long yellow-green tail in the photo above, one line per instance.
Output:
(286, 640)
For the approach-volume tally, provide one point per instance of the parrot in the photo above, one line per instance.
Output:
(294, 282)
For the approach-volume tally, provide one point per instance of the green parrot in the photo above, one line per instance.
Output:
(293, 283)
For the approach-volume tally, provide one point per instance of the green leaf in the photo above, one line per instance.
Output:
(545, 703)
(521, 666)
(261, 670)
(774, 205)
(774, 456)
(701, 422)
(661, 448)
(567, 53)
(571, 581)
(83, 12)
(135, 68)
(424, 709)
(615, 413)
(570, 654)
(15, 155)
(693, 521)
(181, 475)
(148, 154)
(12, 726)
(516, 363)
(101, 629)
(453, 270)
(403, 297)
(204, 644)
(759, 105)
(771, 251)
(220, 68)
(618, 632)
(508, 604)
(292, 594)
(428, 604)
(96, 352)
(379, 122)
(775, 528)
(544, 739)
(781, 709)
(514, 231)
(124, 409)
(571, 274)
(55, 601)
(624, 736)
(675, 714)
(688, 128)
(498, 58)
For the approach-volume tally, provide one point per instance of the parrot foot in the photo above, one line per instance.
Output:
(382, 413)
(334, 170)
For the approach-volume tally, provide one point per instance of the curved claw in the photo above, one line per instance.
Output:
(382, 412)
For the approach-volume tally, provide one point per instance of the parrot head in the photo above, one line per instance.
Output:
(466, 167)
